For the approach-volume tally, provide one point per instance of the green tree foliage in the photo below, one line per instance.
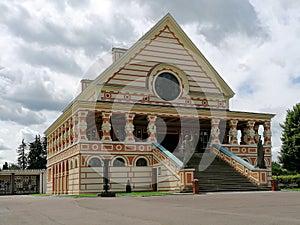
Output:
(37, 153)
(276, 169)
(10, 166)
(290, 150)
(22, 155)
(13, 166)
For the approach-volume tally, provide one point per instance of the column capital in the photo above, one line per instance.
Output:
(233, 122)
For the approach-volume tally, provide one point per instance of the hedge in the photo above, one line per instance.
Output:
(288, 179)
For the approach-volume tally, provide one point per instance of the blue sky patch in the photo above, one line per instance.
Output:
(296, 80)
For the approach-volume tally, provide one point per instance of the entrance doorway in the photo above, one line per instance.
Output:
(203, 141)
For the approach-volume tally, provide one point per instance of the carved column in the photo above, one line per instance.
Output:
(233, 132)
(75, 128)
(49, 139)
(55, 141)
(267, 133)
(251, 132)
(64, 142)
(71, 124)
(215, 131)
(82, 125)
(106, 126)
(151, 128)
(58, 138)
(129, 127)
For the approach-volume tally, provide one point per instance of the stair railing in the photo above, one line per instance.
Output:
(257, 175)
(165, 156)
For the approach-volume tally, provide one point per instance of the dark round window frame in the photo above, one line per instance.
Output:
(173, 89)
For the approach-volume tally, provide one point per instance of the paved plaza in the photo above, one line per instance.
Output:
(261, 208)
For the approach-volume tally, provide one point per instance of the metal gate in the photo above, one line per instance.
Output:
(22, 184)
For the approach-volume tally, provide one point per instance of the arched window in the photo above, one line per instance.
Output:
(119, 162)
(76, 165)
(94, 162)
(141, 162)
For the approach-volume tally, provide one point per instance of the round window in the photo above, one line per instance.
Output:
(167, 86)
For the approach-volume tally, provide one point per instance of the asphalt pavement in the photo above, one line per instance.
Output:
(251, 208)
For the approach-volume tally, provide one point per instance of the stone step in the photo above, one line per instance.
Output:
(219, 176)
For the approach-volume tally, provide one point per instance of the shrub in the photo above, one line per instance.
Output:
(287, 180)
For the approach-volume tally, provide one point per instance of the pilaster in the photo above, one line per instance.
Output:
(106, 126)
(251, 132)
(82, 125)
(233, 132)
(267, 133)
(151, 128)
(129, 127)
(215, 131)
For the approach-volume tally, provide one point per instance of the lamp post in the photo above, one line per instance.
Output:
(106, 181)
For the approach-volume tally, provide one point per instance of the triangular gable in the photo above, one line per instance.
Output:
(165, 43)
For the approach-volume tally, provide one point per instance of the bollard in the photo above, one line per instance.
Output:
(195, 186)
(274, 185)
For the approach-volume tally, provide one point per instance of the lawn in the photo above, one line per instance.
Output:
(291, 189)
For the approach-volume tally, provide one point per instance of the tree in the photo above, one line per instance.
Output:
(13, 166)
(290, 150)
(5, 166)
(277, 169)
(22, 156)
(10, 166)
(37, 153)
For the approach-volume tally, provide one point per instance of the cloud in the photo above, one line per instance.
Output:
(3, 145)
(48, 45)
(27, 134)
(215, 19)
(31, 89)
(275, 154)
(56, 59)
(89, 31)
(18, 114)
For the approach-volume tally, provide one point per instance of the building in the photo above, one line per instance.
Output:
(132, 120)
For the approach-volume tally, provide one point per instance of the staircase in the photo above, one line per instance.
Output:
(216, 175)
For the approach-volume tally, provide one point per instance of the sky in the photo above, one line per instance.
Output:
(47, 47)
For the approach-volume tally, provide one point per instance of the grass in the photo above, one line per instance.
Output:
(291, 189)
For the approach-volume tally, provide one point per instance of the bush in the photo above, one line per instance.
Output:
(287, 180)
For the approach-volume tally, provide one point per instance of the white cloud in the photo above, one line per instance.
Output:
(48, 46)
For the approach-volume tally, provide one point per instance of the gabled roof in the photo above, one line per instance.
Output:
(166, 42)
